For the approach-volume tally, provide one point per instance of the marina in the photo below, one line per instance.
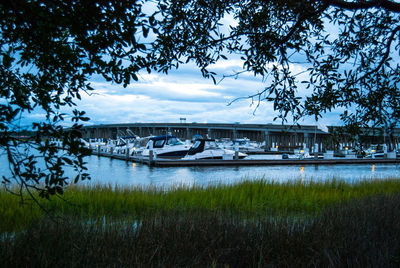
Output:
(200, 133)
(122, 162)
(169, 150)
(164, 162)
(194, 144)
(127, 166)
(270, 137)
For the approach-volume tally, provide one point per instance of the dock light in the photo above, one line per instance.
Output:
(276, 146)
(301, 151)
(346, 148)
(372, 151)
(134, 164)
(134, 148)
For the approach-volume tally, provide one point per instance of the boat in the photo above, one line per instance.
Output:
(375, 151)
(244, 145)
(93, 143)
(248, 146)
(166, 146)
(301, 155)
(208, 149)
(122, 144)
(140, 145)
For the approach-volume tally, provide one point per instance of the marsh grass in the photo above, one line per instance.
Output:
(360, 233)
(253, 223)
(251, 199)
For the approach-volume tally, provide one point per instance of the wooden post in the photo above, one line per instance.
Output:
(267, 147)
(236, 146)
(316, 151)
(151, 156)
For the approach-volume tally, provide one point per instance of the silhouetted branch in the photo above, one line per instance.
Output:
(354, 5)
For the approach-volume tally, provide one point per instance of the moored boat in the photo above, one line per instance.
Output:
(166, 146)
(208, 149)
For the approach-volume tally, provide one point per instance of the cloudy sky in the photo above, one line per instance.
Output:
(183, 93)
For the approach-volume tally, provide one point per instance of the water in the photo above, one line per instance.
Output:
(118, 172)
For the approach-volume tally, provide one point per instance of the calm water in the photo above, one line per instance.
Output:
(117, 172)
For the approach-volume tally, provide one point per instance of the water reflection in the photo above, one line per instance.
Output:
(117, 172)
(125, 173)
(302, 172)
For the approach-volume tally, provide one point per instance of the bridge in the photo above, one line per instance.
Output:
(284, 137)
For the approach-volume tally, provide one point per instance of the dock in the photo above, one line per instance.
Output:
(164, 162)
(258, 162)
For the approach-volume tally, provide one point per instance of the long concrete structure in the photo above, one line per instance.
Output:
(284, 137)
(366, 137)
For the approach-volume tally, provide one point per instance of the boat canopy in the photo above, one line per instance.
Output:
(198, 146)
(160, 141)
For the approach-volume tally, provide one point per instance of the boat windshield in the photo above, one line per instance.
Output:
(174, 141)
(241, 142)
(158, 144)
(196, 144)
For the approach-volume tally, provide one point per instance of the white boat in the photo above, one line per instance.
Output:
(140, 145)
(123, 144)
(208, 149)
(375, 151)
(166, 146)
(95, 143)
(244, 145)
(225, 143)
(300, 154)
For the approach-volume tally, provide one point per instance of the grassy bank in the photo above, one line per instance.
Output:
(254, 223)
(251, 198)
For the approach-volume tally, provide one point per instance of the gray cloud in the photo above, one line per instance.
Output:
(182, 93)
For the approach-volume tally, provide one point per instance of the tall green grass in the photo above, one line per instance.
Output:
(360, 233)
(251, 198)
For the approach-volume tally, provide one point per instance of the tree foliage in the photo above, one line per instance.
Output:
(49, 51)
(347, 53)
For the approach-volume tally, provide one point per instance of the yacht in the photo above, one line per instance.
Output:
(122, 144)
(166, 146)
(244, 145)
(300, 154)
(140, 145)
(208, 149)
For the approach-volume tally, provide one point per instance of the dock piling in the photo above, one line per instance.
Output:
(127, 154)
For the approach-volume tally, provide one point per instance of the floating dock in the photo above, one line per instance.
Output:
(164, 162)
(259, 162)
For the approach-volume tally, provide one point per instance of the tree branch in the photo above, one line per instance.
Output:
(385, 4)
(384, 57)
(301, 19)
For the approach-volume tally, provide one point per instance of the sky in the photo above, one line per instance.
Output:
(183, 93)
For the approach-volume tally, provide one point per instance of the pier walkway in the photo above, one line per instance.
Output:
(164, 162)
